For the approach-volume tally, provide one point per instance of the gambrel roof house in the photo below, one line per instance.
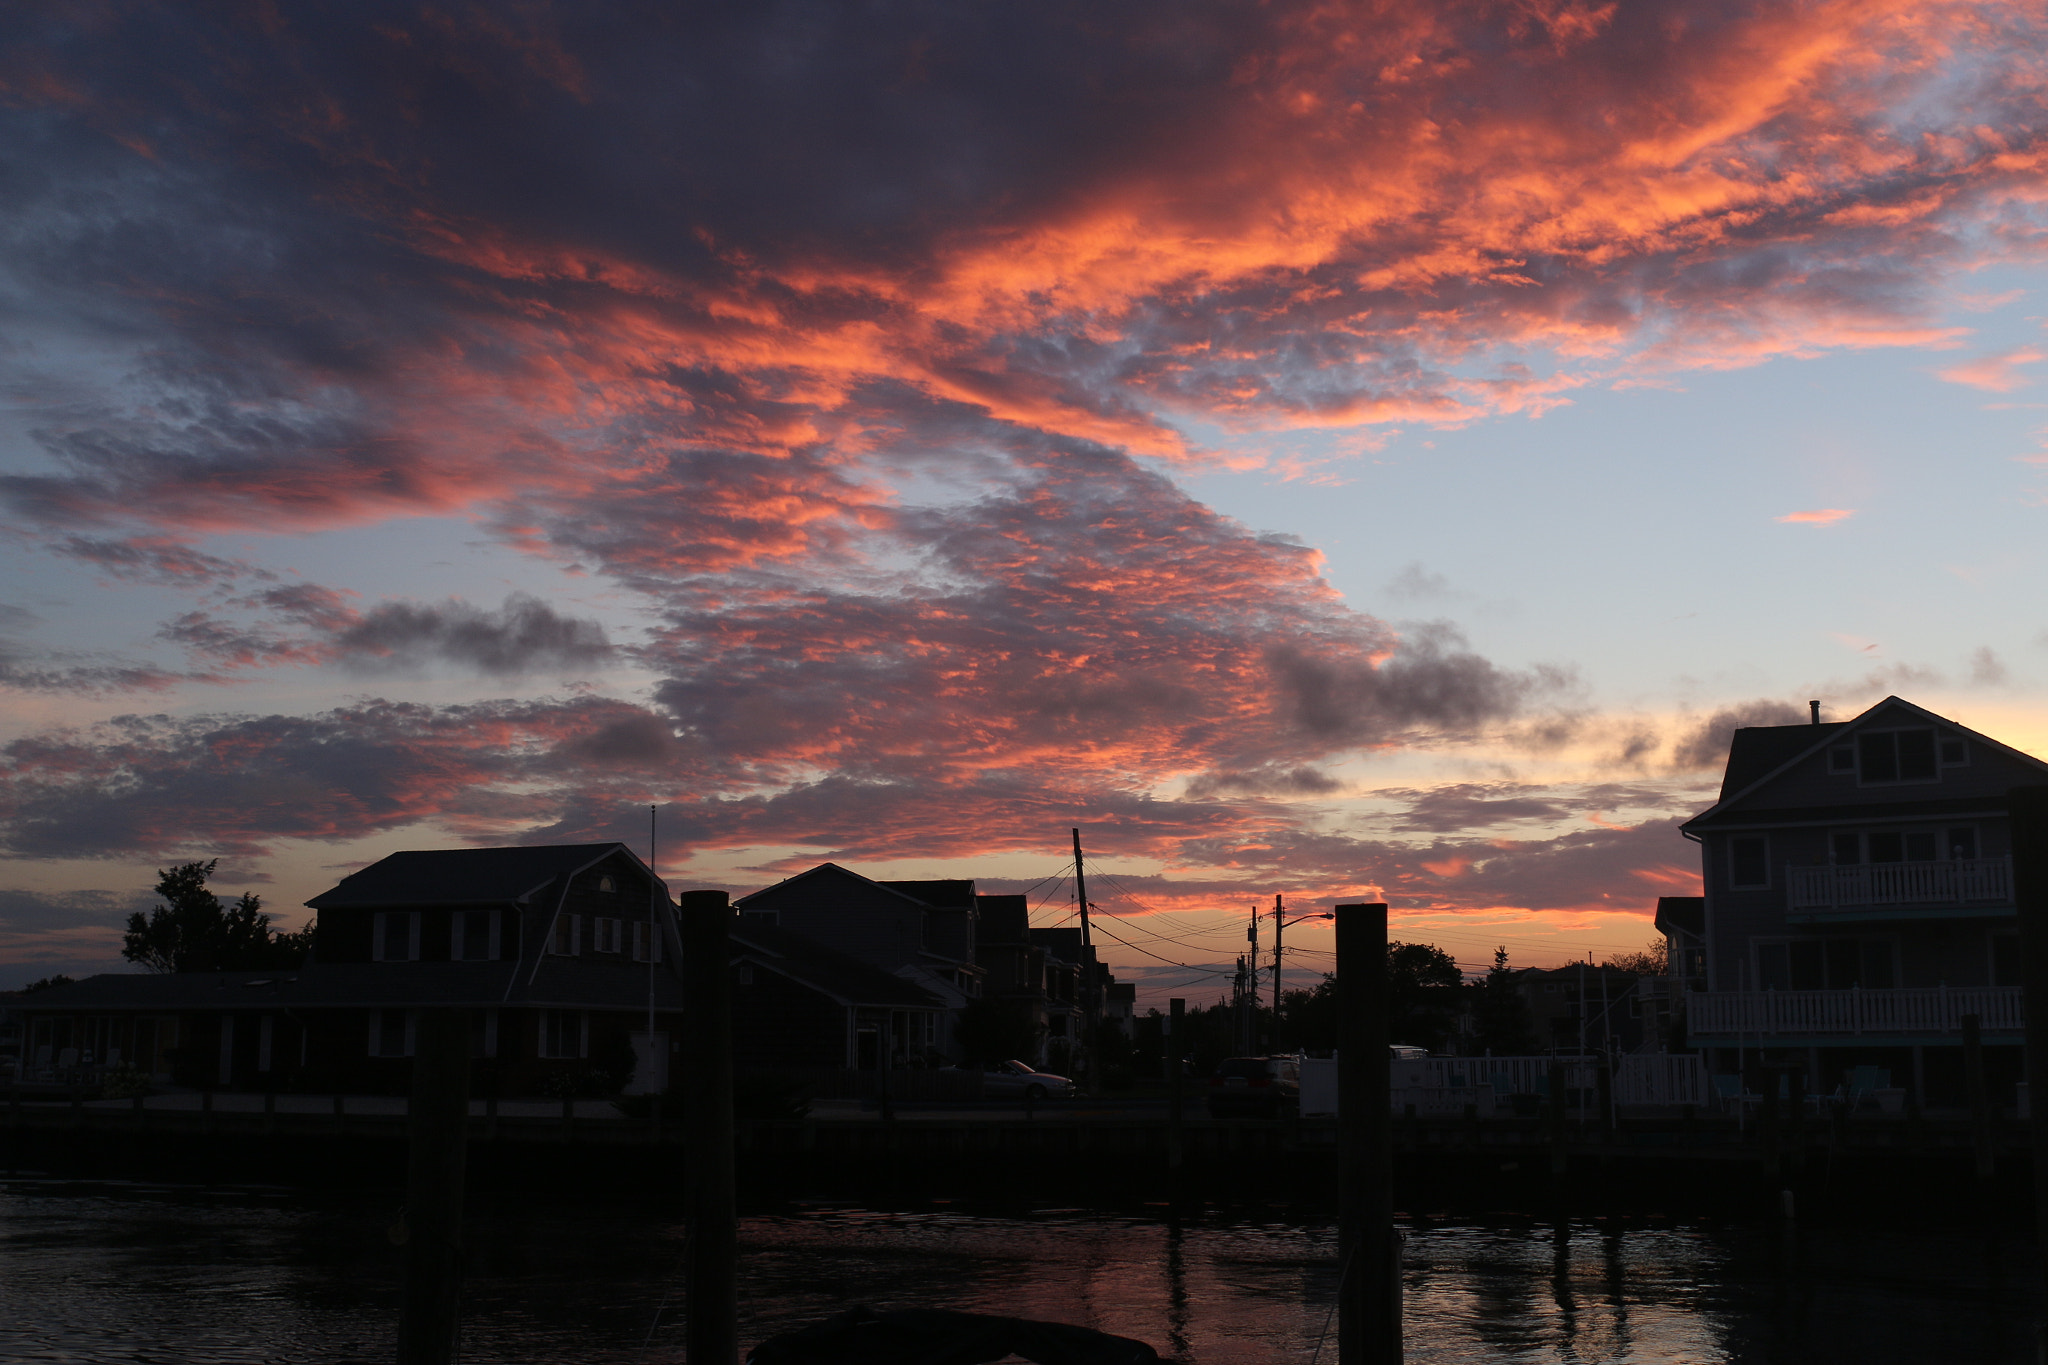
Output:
(547, 947)
(1859, 896)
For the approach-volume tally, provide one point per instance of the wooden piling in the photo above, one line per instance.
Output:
(1985, 1155)
(1176, 1063)
(437, 1120)
(711, 1274)
(1368, 1302)
(1553, 1118)
(2028, 808)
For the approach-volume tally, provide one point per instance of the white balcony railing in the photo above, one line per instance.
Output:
(1937, 1009)
(1960, 881)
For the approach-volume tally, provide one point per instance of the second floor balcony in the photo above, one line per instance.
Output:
(1725, 1017)
(1951, 887)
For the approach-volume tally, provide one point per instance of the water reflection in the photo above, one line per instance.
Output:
(132, 1273)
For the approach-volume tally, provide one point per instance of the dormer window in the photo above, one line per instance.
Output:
(1896, 756)
(607, 885)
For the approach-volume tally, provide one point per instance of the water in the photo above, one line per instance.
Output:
(107, 1272)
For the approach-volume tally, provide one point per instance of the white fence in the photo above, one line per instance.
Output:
(1960, 881)
(1938, 1009)
(1446, 1085)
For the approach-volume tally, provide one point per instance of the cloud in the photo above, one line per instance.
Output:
(1995, 373)
(1986, 668)
(525, 635)
(1821, 516)
(1706, 745)
(28, 912)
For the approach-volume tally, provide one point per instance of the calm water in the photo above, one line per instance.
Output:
(135, 1273)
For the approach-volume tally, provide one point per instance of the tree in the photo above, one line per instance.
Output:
(46, 983)
(1423, 982)
(193, 932)
(1651, 961)
(1500, 1015)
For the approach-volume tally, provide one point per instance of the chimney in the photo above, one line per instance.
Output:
(1814, 706)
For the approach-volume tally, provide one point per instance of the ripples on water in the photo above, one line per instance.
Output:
(142, 1274)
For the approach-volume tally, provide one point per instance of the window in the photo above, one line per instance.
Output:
(476, 936)
(743, 975)
(568, 939)
(1833, 963)
(2005, 960)
(1962, 842)
(606, 885)
(395, 936)
(605, 937)
(563, 1033)
(641, 939)
(1902, 846)
(391, 1033)
(1747, 865)
(1896, 756)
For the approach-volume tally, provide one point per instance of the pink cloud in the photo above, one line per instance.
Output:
(1995, 373)
(1819, 516)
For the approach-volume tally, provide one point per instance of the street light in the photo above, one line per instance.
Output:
(1281, 922)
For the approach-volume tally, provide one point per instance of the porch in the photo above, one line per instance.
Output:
(1942, 889)
(1726, 1017)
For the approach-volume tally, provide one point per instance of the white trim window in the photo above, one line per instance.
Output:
(564, 1034)
(643, 934)
(606, 935)
(395, 936)
(474, 936)
(568, 939)
(1749, 861)
(1887, 756)
(393, 1032)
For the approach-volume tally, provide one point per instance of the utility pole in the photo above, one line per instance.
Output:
(1251, 988)
(1279, 909)
(1091, 991)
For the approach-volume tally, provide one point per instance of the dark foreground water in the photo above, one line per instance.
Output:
(137, 1273)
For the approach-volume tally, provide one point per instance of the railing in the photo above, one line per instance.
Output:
(1938, 1009)
(1960, 881)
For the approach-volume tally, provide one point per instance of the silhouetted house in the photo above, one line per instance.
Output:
(1067, 966)
(920, 931)
(1859, 899)
(1013, 967)
(1575, 1009)
(800, 1006)
(547, 948)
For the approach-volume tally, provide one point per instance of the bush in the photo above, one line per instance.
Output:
(124, 1083)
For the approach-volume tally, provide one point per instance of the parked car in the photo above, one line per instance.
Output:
(1015, 1078)
(1266, 1087)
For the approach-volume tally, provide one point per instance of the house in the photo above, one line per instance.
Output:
(1013, 967)
(1579, 1009)
(1859, 901)
(800, 1006)
(557, 952)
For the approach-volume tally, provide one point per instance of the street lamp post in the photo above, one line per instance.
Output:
(1280, 921)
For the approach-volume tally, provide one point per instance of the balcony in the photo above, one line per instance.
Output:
(1958, 887)
(1725, 1016)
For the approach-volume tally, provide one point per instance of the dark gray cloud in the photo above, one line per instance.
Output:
(31, 912)
(1706, 744)
(525, 635)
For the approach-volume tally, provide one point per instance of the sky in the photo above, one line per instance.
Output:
(1318, 450)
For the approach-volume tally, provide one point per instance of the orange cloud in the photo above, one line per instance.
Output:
(1820, 516)
(1995, 373)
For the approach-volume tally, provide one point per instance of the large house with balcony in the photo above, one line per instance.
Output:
(1859, 900)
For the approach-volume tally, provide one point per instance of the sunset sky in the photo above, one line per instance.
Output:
(1328, 450)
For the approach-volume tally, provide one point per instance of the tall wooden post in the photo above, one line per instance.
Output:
(1368, 1305)
(1176, 1053)
(430, 1319)
(711, 1273)
(2028, 807)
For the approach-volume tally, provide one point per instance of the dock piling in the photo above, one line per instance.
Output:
(1176, 1053)
(1368, 1285)
(437, 1120)
(2028, 808)
(712, 1269)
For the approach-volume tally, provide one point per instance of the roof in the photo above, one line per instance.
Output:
(1760, 753)
(1687, 914)
(828, 971)
(1004, 919)
(1756, 751)
(834, 870)
(947, 894)
(564, 983)
(462, 876)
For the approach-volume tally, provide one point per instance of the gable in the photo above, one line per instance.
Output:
(1894, 757)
